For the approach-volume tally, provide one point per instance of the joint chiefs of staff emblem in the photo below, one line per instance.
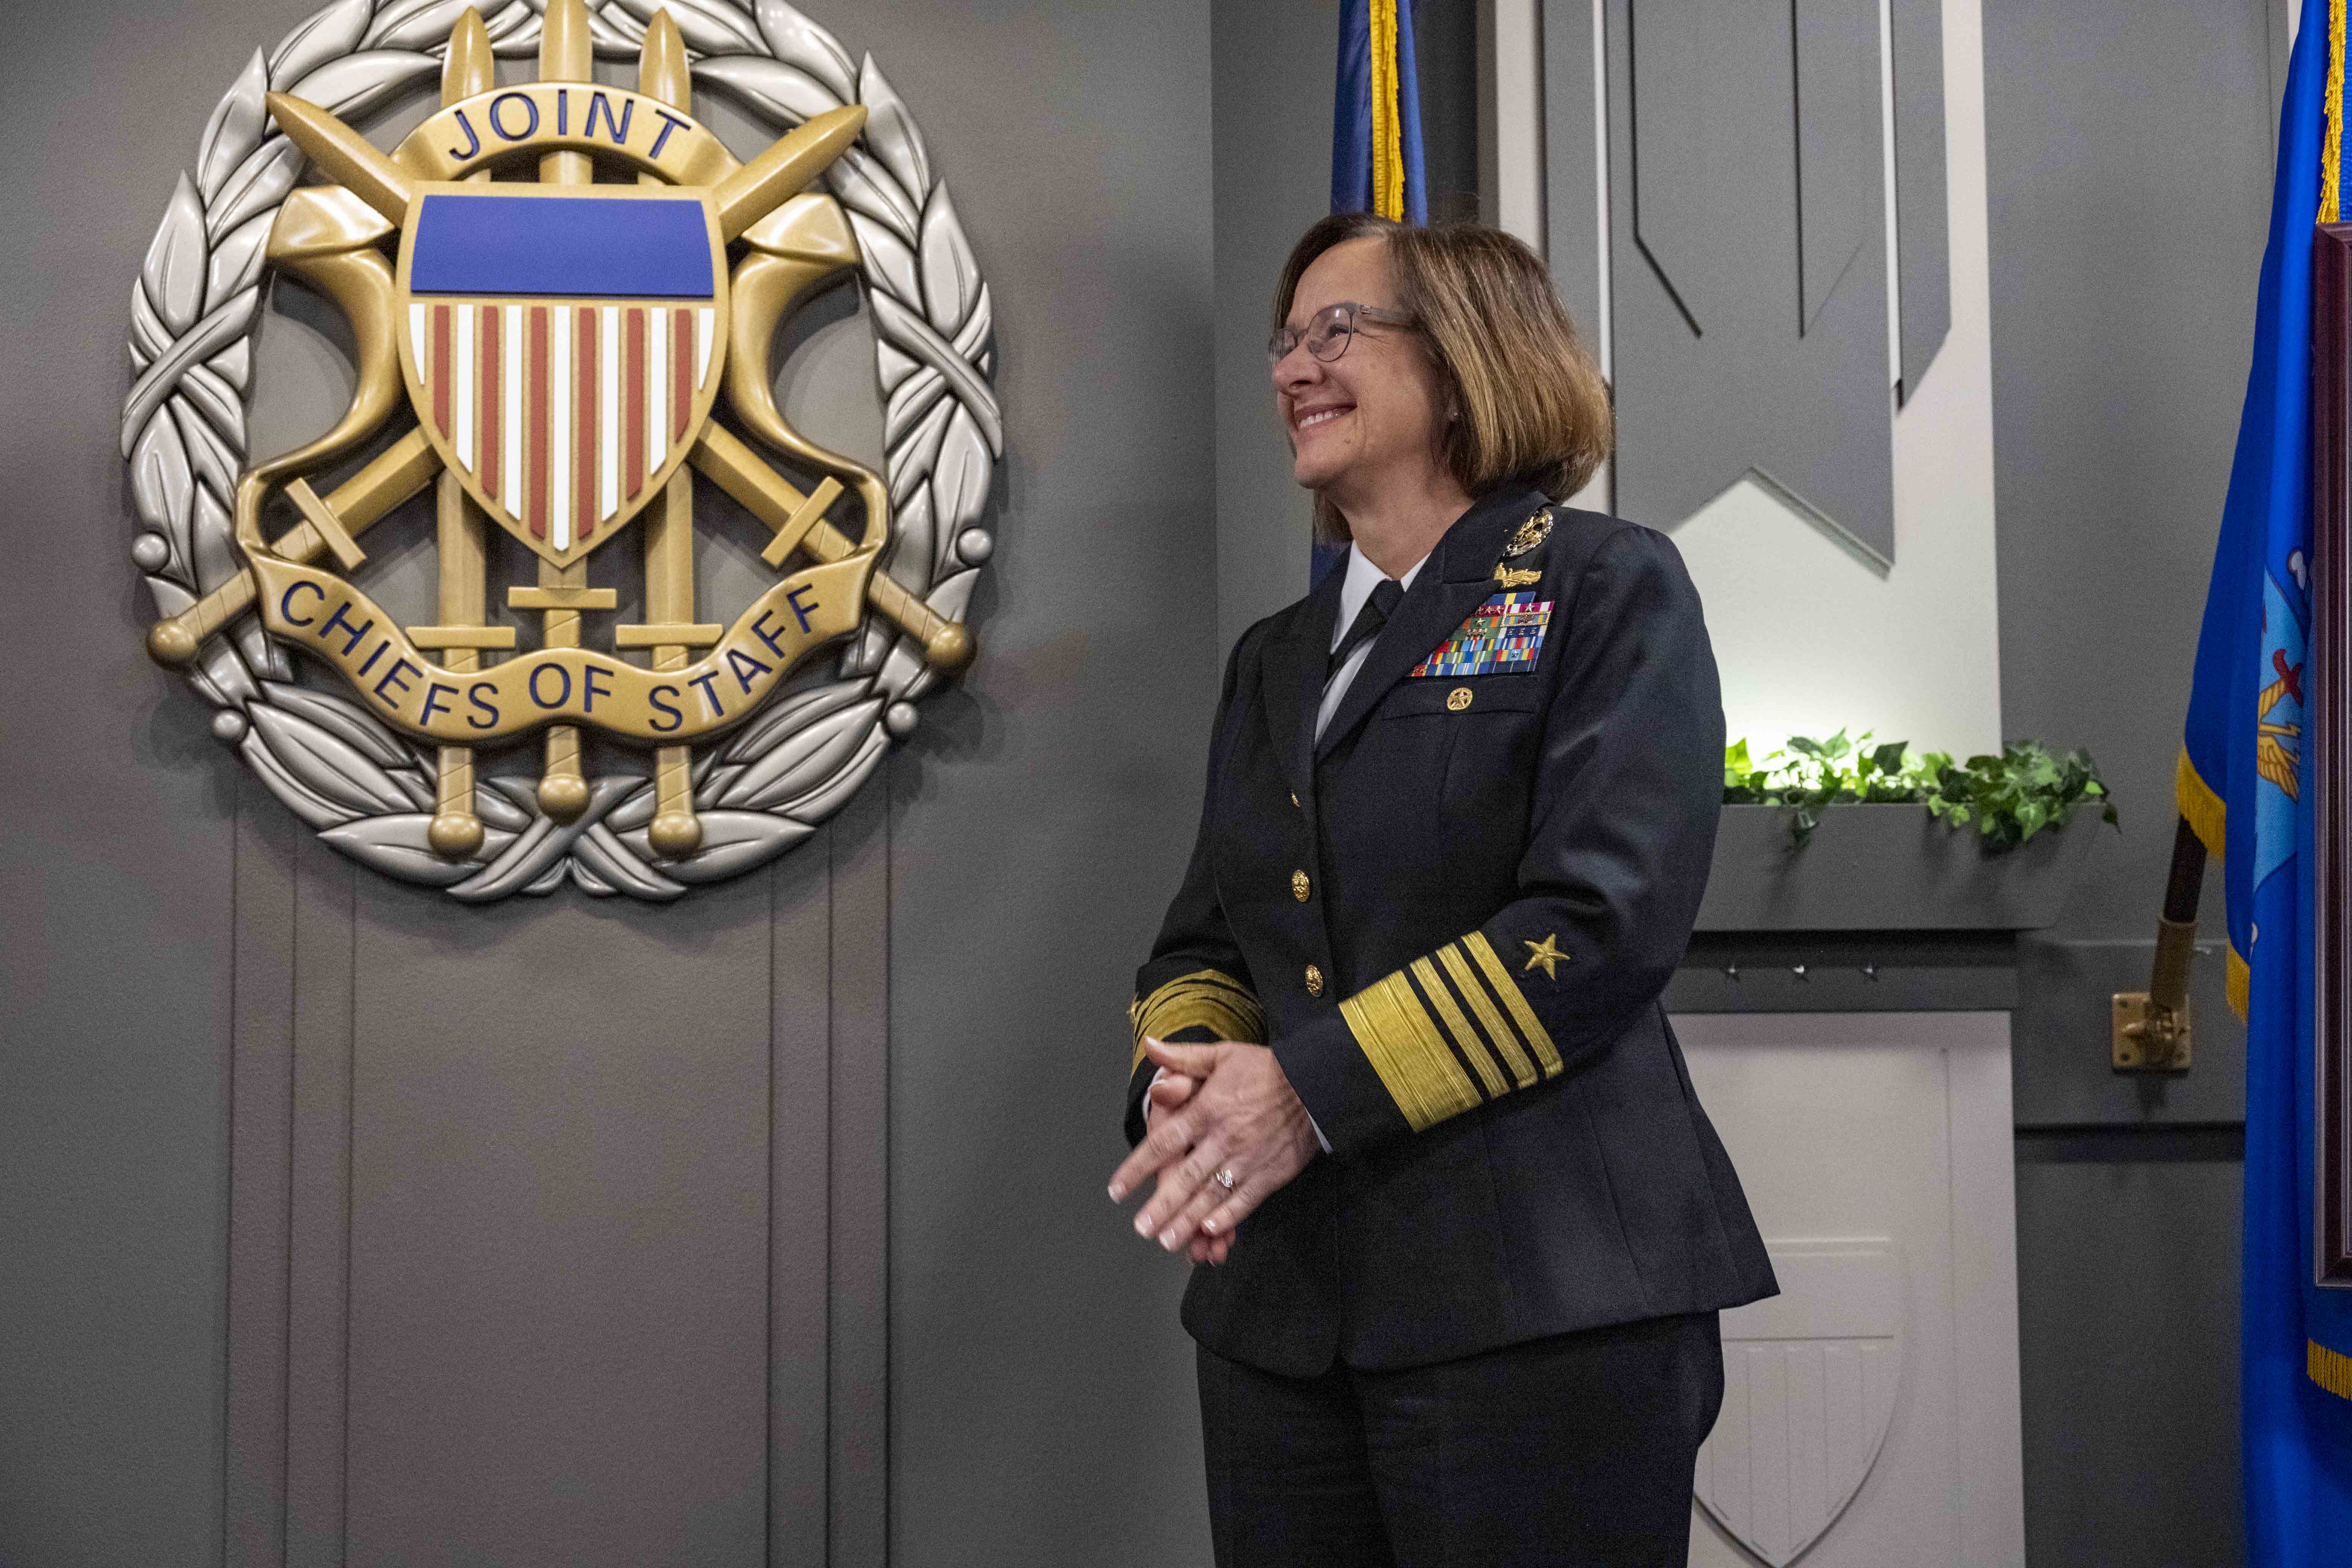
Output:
(557, 343)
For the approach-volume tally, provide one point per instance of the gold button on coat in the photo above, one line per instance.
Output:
(1299, 886)
(1457, 699)
(1314, 981)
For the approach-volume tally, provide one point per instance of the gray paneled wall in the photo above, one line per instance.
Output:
(1273, 178)
(590, 1266)
(2129, 160)
(114, 1011)
(2129, 148)
(1042, 1405)
(561, 1228)
(2127, 1313)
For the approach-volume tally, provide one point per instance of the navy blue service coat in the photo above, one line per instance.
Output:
(1452, 919)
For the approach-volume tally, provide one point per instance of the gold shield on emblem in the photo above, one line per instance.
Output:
(562, 346)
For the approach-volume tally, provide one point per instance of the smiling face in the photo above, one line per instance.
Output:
(1369, 419)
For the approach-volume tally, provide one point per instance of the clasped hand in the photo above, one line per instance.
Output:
(1224, 1107)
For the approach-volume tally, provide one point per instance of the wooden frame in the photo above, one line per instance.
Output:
(2331, 706)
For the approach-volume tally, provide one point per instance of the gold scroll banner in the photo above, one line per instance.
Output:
(404, 687)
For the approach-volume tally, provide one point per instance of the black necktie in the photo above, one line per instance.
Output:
(1367, 624)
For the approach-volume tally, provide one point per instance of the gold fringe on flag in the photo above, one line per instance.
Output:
(1388, 126)
(2331, 146)
(2205, 810)
(2331, 1370)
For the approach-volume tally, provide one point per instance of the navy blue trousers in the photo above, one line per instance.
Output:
(1573, 1451)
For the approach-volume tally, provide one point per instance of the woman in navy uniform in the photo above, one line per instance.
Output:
(1402, 1081)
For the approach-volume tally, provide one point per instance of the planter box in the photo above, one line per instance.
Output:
(1888, 867)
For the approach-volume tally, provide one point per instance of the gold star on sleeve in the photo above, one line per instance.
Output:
(1548, 954)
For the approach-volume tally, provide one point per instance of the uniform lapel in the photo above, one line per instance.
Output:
(1295, 664)
(1457, 580)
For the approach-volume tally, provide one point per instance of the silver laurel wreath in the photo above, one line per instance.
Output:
(367, 790)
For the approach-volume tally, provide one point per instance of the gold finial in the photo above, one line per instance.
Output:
(563, 796)
(455, 834)
(470, 69)
(950, 648)
(566, 51)
(662, 71)
(170, 645)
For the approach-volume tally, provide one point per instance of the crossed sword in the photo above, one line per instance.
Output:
(330, 235)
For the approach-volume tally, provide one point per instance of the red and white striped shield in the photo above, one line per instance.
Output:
(563, 347)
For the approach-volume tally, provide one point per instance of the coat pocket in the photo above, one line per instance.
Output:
(1491, 740)
(1461, 696)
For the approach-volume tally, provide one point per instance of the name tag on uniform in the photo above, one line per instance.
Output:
(1502, 634)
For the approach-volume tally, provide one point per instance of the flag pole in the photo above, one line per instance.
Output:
(2149, 1030)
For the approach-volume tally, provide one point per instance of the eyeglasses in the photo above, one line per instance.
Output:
(1329, 331)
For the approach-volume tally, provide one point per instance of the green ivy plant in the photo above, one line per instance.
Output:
(2008, 798)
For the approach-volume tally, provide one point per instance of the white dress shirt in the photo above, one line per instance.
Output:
(1354, 590)
(1361, 579)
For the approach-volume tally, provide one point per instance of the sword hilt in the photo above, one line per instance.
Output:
(398, 473)
(798, 522)
(947, 645)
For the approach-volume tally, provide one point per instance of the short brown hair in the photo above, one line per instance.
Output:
(1534, 410)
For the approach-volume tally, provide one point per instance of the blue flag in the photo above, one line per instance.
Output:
(2244, 787)
(1376, 165)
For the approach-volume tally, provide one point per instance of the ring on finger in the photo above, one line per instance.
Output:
(1224, 1178)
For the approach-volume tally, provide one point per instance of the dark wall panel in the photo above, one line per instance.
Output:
(2129, 150)
(1042, 1403)
(2127, 1314)
(2128, 167)
(558, 1229)
(1445, 45)
(1271, 152)
(115, 866)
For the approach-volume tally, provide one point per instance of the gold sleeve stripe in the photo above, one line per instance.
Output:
(1465, 1039)
(1401, 1040)
(1207, 997)
(1507, 990)
(1506, 1040)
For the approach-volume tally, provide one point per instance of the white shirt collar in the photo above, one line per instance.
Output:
(1361, 579)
